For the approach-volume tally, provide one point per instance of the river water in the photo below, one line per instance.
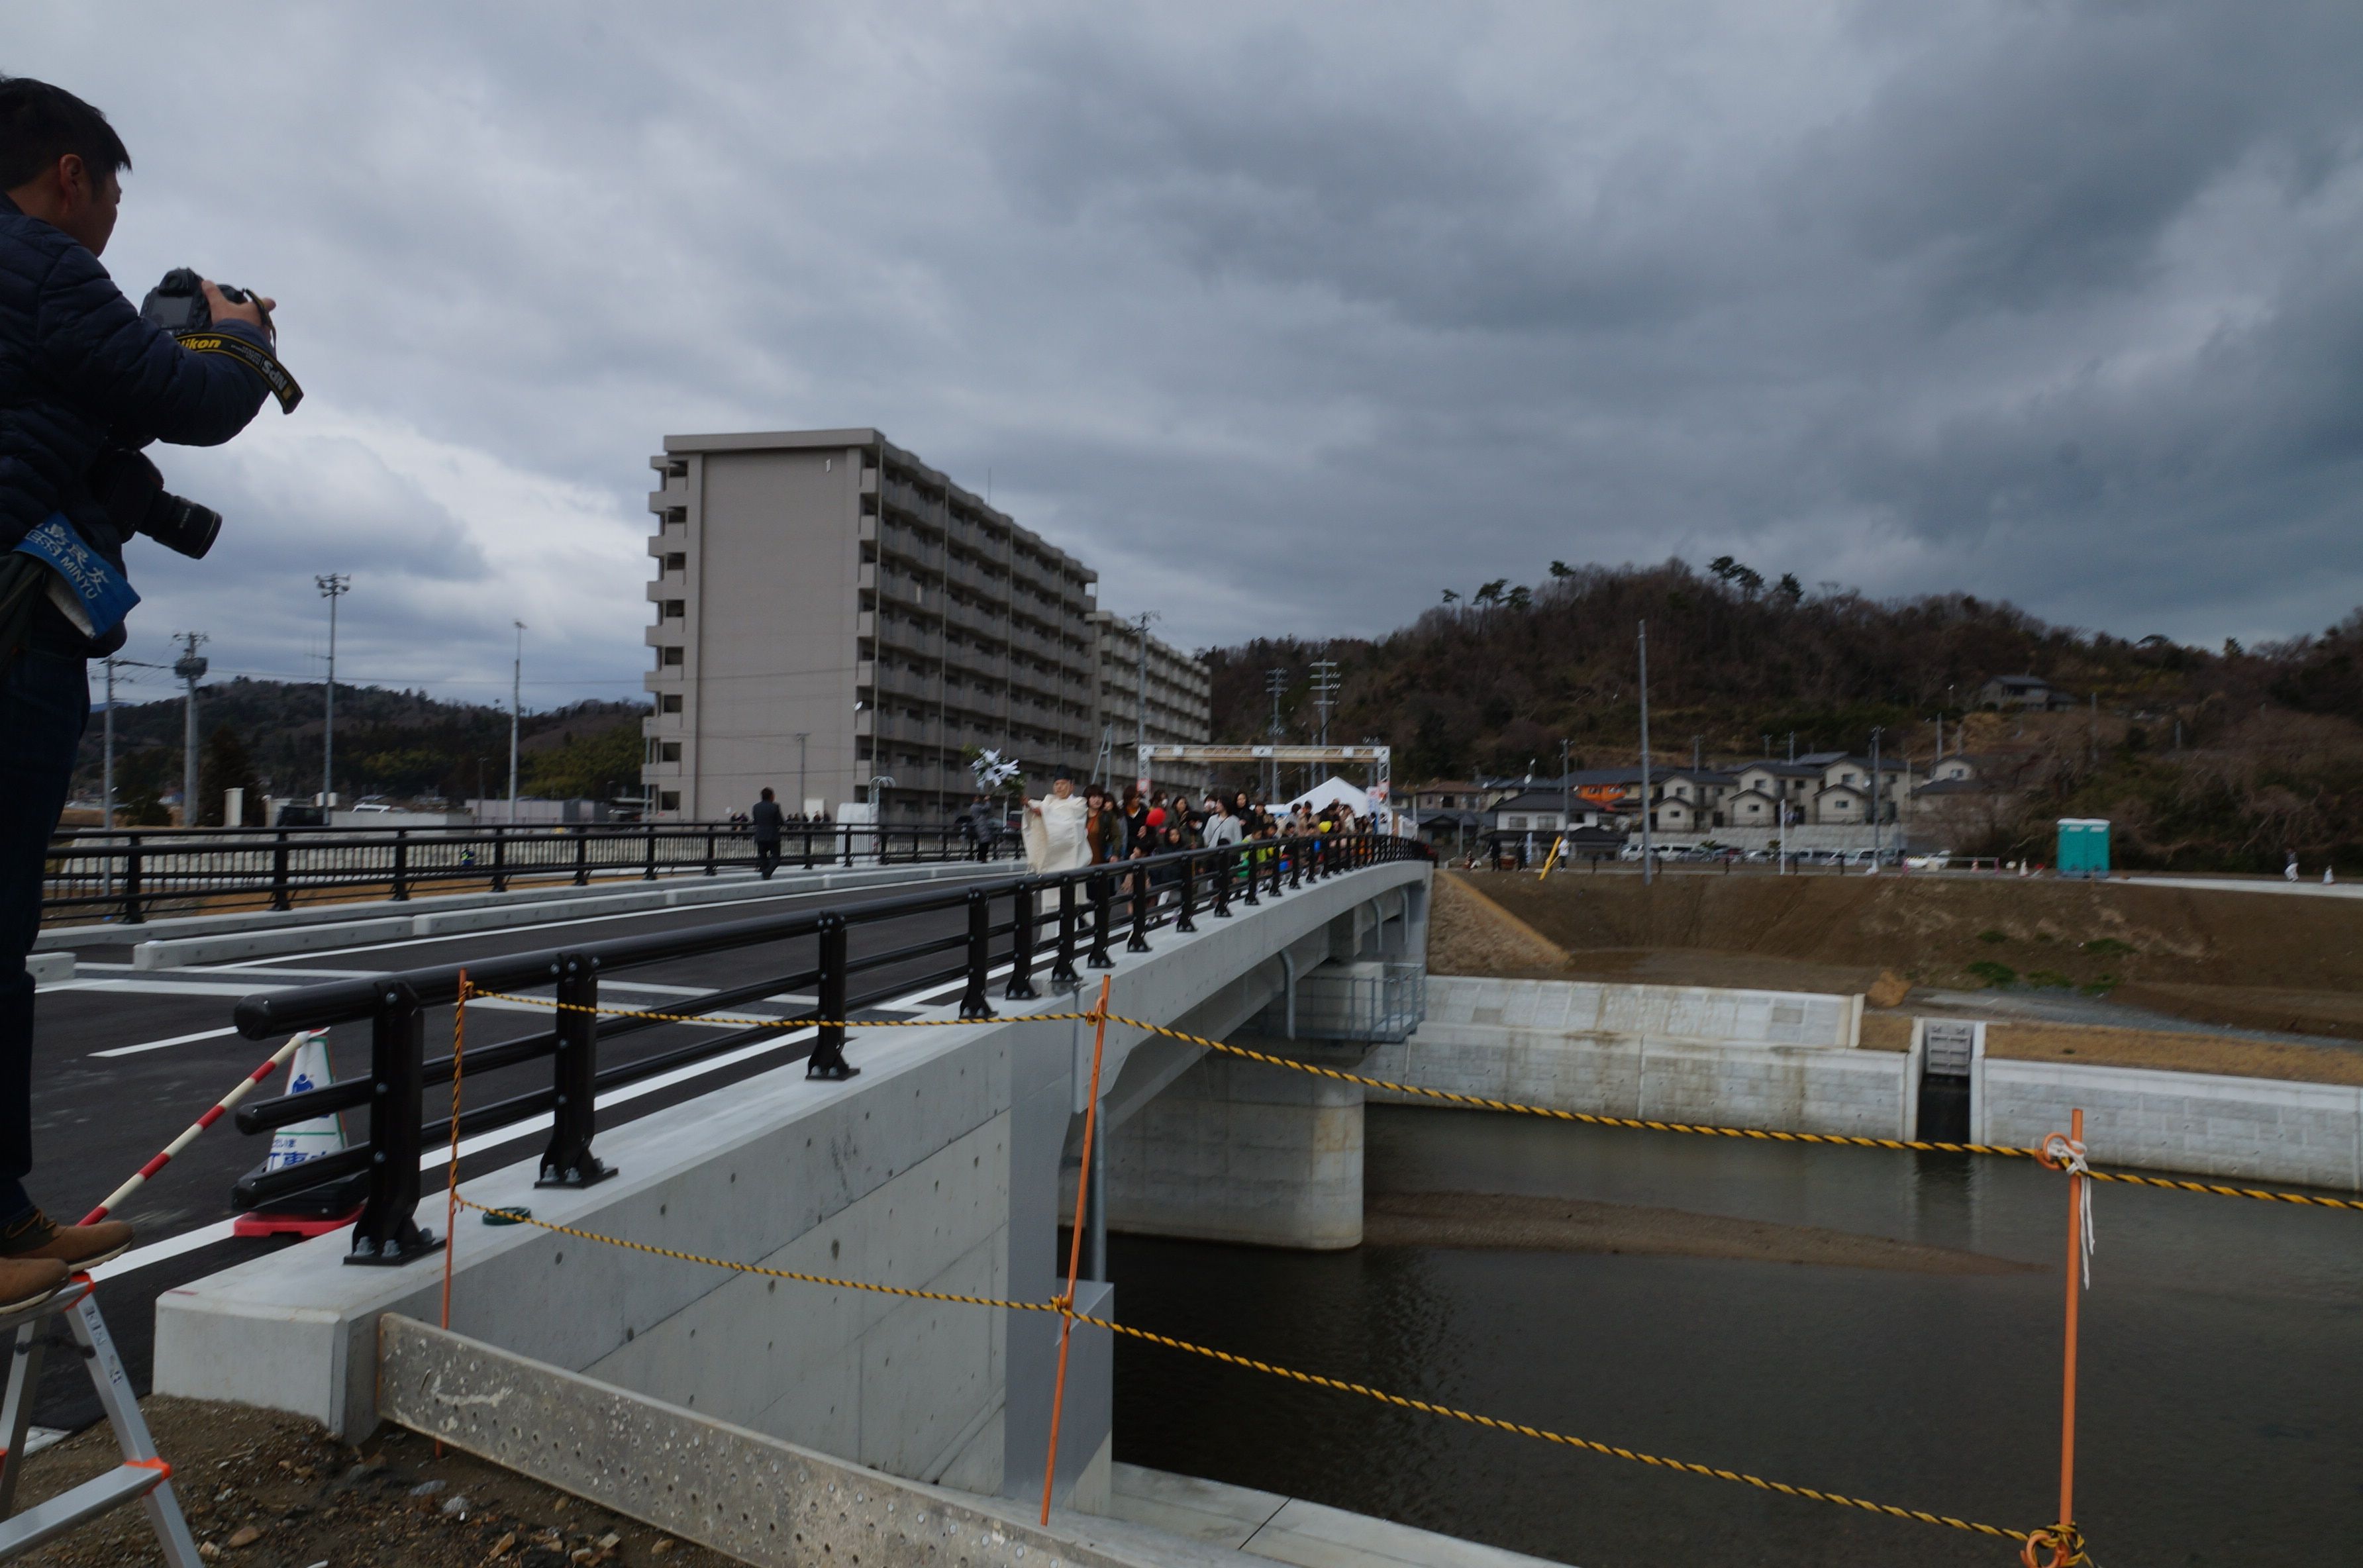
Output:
(2221, 1413)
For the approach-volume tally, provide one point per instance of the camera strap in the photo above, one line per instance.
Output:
(87, 588)
(259, 361)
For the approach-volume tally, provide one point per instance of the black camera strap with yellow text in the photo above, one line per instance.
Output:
(262, 361)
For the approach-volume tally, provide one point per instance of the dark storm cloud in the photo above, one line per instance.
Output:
(2056, 302)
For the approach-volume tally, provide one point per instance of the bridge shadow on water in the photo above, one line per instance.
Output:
(2223, 1349)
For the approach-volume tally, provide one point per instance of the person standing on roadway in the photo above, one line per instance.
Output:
(81, 372)
(764, 820)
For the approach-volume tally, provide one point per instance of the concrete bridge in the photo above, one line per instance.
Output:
(943, 1166)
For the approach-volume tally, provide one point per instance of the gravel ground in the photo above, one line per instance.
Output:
(267, 1490)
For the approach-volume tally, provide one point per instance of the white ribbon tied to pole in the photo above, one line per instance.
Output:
(2069, 1156)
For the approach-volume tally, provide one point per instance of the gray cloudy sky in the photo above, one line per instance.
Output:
(1284, 317)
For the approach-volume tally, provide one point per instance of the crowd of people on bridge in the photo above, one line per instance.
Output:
(1072, 828)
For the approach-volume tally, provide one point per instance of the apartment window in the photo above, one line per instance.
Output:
(671, 752)
(674, 609)
(669, 704)
(670, 657)
(676, 561)
(668, 800)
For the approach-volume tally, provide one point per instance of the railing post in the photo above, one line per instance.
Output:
(282, 895)
(1277, 855)
(1182, 921)
(1021, 947)
(828, 1060)
(387, 1233)
(1063, 968)
(574, 1118)
(651, 874)
(808, 858)
(402, 865)
(709, 849)
(980, 953)
(1245, 850)
(131, 868)
(1101, 888)
(1222, 885)
(1296, 861)
(1138, 940)
(500, 858)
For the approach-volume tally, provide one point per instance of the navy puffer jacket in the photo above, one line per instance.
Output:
(80, 369)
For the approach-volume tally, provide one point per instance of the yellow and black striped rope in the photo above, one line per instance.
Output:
(519, 1217)
(1309, 1379)
(1449, 1097)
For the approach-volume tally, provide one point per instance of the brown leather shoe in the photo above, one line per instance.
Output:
(79, 1247)
(26, 1282)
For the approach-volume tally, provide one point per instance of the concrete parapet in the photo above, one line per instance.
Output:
(937, 1169)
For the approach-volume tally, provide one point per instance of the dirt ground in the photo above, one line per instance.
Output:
(2242, 950)
(2168, 951)
(275, 1491)
(1511, 1222)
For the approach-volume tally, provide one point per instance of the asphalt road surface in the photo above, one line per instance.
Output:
(124, 1060)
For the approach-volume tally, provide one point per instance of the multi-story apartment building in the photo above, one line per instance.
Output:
(836, 621)
(1180, 701)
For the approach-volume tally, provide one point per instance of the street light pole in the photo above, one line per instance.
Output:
(191, 668)
(1648, 872)
(1141, 714)
(1875, 734)
(333, 586)
(1275, 682)
(516, 707)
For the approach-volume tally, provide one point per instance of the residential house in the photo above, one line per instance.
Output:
(1453, 795)
(2030, 693)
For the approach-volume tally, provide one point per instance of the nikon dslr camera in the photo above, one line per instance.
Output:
(122, 478)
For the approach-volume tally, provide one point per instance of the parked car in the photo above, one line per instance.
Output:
(1935, 860)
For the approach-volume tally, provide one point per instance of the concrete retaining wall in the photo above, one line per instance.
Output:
(2201, 1124)
(1702, 1013)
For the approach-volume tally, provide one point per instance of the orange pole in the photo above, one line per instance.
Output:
(1075, 1246)
(2075, 1290)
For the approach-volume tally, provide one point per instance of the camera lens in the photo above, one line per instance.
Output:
(181, 525)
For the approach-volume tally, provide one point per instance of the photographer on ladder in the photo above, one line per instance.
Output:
(85, 382)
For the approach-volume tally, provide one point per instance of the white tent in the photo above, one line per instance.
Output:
(1332, 792)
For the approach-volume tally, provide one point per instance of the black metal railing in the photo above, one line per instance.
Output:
(1017, 923)
(137, 875)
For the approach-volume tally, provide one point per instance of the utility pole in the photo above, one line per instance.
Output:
(517, 708)
(107, 768)
(1875, 733)
(1275, 683)
(191, 668)
(1324, 694)
(1141, 714)
(1648, 872)
(1566, 790)
(802, 736)
(333, 586)
(1697, 760)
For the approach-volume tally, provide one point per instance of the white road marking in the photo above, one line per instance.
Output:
(159, 1044)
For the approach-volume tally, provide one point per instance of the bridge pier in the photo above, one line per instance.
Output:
(1235, 1151)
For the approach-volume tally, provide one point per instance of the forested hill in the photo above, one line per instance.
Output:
(266, 734)
(1500, 674)
(1494, 677)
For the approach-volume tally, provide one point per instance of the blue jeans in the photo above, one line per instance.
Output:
(44, 702)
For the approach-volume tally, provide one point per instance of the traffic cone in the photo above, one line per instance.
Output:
(321, 1210)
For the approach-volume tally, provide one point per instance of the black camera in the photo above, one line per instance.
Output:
(178, 305)
(126, 483)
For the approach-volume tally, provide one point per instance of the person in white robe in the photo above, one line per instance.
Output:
(1055, 838)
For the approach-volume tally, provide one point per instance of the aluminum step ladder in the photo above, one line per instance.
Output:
(143, 1475)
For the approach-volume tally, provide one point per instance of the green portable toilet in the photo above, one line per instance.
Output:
(2083, 846)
